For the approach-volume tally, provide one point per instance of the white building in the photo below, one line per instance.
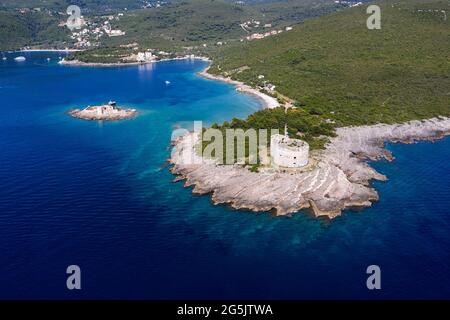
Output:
(116, 33)
(287, 152)
(106, 109)
(270, 87)
(148, 55)
(145, 56)
(140, 57)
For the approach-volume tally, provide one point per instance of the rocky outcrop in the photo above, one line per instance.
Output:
(106, 113)
(339, 179)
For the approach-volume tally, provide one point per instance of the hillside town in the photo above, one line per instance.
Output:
(94, 29)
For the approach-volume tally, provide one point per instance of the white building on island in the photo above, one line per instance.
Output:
(103, 112)
(105, 109)
(287, 152)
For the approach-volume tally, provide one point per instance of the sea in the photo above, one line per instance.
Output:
(99, 195)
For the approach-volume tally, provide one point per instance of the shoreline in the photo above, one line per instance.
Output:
(48, 50)
(82, 114)
(340, 179)
(77, 63)
(269, 102)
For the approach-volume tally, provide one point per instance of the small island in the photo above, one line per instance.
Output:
(108, 111)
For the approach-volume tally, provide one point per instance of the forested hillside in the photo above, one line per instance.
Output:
(335, 67)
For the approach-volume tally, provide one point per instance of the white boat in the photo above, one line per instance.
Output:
(4, 58)
(167, 82)
(20, 58)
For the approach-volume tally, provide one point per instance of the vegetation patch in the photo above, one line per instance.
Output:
(336, 68)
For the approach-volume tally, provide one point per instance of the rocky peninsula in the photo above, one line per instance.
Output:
(339, 179)
(129, 62)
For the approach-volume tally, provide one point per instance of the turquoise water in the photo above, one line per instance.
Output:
(100, 195)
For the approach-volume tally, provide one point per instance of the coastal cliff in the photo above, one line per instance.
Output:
(339, 179)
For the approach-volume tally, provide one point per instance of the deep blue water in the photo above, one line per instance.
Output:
(99, 195)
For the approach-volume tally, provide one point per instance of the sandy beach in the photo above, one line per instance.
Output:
(269, 102)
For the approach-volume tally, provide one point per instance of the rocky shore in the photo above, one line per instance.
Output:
(78, 63)
(339, 179)
(104, 112)
(121, 64)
